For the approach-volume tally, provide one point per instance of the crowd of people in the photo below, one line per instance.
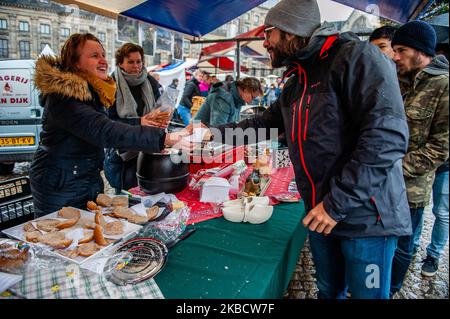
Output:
(366, 124)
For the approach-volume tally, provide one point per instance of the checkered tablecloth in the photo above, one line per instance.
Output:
(72, 282)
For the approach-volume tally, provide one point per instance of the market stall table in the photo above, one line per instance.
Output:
(236, 260)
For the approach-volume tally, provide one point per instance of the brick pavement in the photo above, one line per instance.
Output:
(303, 284)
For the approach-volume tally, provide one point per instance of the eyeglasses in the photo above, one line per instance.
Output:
(267, 32)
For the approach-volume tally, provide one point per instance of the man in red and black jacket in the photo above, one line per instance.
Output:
(342, 113)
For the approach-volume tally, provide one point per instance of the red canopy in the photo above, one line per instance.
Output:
(249, 48)
(223, 47)
(224, 64)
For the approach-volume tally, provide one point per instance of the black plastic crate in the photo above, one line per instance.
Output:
(16, 202)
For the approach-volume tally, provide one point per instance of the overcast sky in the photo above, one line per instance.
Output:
(333, 11)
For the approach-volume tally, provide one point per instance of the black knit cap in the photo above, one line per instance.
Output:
(418, 35)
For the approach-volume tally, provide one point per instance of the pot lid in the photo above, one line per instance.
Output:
(166, 151)
(136, 260)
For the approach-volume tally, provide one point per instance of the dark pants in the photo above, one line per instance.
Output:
(404, 252)
(120, 174)
(360, 265)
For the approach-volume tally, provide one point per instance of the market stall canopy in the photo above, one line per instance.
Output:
(440, 25)
(223, 47)
(47, 51)
(191, 17)
(220, 63)
(199, 17)
(397, 10)
(253, 49)
(168, 72)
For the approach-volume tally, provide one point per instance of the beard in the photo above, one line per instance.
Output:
(413, 69)
(279, 56)
(285, 49)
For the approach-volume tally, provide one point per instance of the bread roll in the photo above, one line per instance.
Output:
(103, 200)
(121, 201)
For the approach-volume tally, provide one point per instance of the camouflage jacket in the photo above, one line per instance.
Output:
(426, 107)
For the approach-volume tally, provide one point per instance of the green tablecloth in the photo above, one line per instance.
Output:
(236, 260)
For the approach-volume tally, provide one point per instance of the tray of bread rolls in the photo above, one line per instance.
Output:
(79, 235)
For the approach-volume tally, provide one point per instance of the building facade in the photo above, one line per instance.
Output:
(244, 23)
(27, 26)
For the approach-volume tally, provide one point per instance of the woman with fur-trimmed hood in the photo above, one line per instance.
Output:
(75, 93)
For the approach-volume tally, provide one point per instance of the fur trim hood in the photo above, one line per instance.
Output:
(49, 79)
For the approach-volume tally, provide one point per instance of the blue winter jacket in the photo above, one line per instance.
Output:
(221, 107)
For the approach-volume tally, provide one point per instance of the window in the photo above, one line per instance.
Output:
(24, 26)
(256, 19)
(24, 49)
(3, 24)
(43, 44)
(4, 48)
(102, 36)
(44, 28)
(247, 16)
(65, 32)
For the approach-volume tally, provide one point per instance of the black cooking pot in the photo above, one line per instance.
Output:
(159, 172)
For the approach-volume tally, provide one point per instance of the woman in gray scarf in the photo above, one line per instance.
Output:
(137, 93)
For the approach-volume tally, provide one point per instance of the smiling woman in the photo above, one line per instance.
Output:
(76, 92)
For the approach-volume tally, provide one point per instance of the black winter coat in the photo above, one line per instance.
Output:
(66, 167)
(346, 129)
(191, 89)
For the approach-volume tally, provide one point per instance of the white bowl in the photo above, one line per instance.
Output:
(234, 202)
(233, 214)
(256, 200)
(258, 214)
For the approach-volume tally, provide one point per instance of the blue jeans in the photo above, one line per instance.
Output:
(185, 114)
(361, 265)
(404, 252)
(439, 235)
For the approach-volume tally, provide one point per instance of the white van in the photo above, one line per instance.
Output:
(20, 113)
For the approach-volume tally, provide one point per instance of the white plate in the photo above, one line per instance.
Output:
(130, 230)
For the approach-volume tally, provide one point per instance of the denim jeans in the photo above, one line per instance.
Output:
(439, 235)
(361, 265)
(185, 114)
(404, 252)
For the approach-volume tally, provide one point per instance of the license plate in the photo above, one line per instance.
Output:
(16, 141)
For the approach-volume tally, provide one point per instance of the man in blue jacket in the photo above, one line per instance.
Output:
(342, 113)
(222, 107)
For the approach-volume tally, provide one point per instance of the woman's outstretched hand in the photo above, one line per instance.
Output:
(156, 118)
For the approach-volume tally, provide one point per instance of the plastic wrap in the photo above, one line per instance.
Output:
(14, 256)
(165, 105)
(168, 100)
(169, 228)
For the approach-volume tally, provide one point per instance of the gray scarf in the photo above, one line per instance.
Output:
(125, 104)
